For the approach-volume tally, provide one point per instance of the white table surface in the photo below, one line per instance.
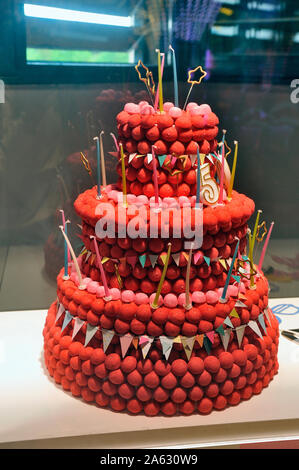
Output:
(35, 412)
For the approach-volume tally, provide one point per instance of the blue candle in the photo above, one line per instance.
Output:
(66, 274)
(175, 79)
(198, 179)
(98, 165)
(223, 297)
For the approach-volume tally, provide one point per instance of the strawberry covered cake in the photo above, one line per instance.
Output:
(145, 322)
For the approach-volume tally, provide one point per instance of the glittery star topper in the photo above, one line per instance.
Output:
(192, 81)
(148, 79)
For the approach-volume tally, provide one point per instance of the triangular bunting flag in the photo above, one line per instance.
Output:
(125, 342)
(173, 160)
(153, 259)
(236, 278)
(131, 156)
(166, 344)
(77, 326)
(163, 257)
(90, 332)
(262, 322)
(142, 259)
(87, 256)
(177, 340)
(199, 339)
(186, 255)
(245, 258)
(240, 304)
(234, 313)
(202, 157)
(132, 260)
(135, 342)
(176, 258)
(207, 260)
(60, 311)
(211, 336)
(228, 322)
(105, 259)
(220, 330)
(149, 157)
(193, 159)
(225, 338)
(188, 343)
(229, 261)
(161, 159)
(242, 296)
(67, 318)
(92, 258)
(146, 347)
(240, 333)
(254, 326)
(143, 340)
(196, 256)
(266, 312)
(207, 344)
(107, 338)
(209, 157)
(223, 263)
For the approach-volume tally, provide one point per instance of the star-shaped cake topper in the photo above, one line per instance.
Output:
(191, 75)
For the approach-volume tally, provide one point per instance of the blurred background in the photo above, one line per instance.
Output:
(67, 70)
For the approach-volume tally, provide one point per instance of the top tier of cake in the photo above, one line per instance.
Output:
(174, 134)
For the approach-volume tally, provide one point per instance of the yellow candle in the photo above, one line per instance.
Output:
(156, 299)
(123, 172)
(103, 160)
(160, 81)
(255, 228)
(230, 189)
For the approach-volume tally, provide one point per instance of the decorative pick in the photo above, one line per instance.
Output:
(189, 80)
(81, 285)
(154, 305)
(232, 179)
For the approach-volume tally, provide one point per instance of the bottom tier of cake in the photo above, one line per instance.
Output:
(154, 385)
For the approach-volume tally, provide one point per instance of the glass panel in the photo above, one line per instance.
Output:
(250, 51)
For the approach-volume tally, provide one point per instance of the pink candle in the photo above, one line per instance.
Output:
(115, 141)
(265, 247)
(155, 176)
(103, 275)
(157, 92)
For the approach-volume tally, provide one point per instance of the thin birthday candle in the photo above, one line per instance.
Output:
(81, 285)
(66, 274)
(155, 177)
(65, 245)
(220, 200)
(188, 304)
(123, 172)
(223, 296)
(250, 255)
(155, 305)
(255, 231)
(232, 179)
(103, 160)
(198, 179)
(159, 91)
(175, 78)
(98, 166)
(115, 141)
(265, 247)
(102, 271)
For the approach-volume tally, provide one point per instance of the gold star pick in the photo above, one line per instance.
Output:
(86, 163)
(148, 80)
(261, 237)
(190, 80)
(191, 72)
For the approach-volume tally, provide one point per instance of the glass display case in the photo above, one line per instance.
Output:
(67, 68)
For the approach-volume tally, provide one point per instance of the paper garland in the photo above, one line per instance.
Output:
(205, 340)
